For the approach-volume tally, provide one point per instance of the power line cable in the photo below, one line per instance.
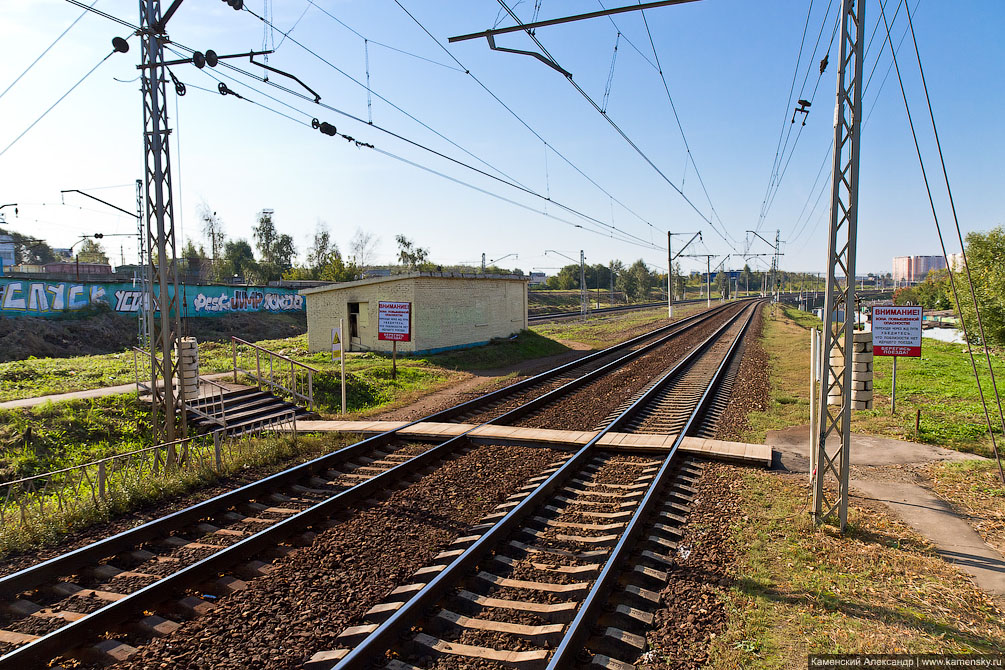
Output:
(610, 234)
(524, 123)
(59, 100)
(963, 248)
(680, 126)
(381, 44)
(384, 99)
(621, 132)
(47, 49)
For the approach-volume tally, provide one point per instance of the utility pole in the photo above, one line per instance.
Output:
(611, 273)
(164, 328)
(839, 300)
(584, 298)
(708, 274)
(670, 259)
(146, 300)
(483, 262)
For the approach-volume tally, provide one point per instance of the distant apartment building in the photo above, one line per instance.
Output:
(538, 278)
(913, 269)
(956, 262)
(6, 251)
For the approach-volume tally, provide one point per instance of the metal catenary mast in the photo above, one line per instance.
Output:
(839, 301)
(164, 325)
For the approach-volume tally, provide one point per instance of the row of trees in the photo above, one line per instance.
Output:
(277, 253)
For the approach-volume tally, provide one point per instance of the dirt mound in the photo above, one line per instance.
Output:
(109, 333)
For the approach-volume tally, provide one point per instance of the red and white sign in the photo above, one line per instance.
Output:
(394, 321)
(896, 331)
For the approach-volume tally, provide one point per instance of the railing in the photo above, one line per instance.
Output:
(143, 374)
(71, 492)
(280, 374)
(212, 404)
(209, 403)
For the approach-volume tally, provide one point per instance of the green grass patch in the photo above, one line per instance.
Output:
(45, 376)
(803, 589)
(527, 345)
(940, 384)
(57, 435)
(81, 509)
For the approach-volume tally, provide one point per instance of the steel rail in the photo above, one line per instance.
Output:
(389, 632)
(589, 610)
(80, 631)
(39, 573)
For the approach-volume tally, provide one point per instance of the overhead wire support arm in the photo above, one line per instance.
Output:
(103, 202)
(566, 19)
(317, 98)
(544, 59)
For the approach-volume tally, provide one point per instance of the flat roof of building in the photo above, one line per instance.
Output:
(409, 275)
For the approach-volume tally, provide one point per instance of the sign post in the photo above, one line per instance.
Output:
(394, 324)
(337, 347)
(896, 331)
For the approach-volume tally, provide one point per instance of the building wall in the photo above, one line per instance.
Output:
(916, 268)
(325, 308)
(447, 312)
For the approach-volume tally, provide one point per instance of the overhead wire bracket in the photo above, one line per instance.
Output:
(317, 98)
(544, 59)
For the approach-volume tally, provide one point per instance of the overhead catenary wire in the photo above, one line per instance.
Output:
(680, 126)
(608, 234)
(58, 100)
(516, 116)
(959, 237)
(362, 85)
(621, 132)
(47, 49)
(942, 243)
(865, 89)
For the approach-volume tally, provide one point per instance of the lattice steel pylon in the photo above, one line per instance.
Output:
(839, 305)
(164, 326)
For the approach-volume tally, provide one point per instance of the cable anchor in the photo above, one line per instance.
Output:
(225, 90)
(802, 108)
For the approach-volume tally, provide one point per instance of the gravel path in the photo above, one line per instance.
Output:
(313, 594)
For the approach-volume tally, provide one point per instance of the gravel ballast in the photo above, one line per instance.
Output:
(313, 594)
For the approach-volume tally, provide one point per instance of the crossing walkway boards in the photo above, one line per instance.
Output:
(737, 452)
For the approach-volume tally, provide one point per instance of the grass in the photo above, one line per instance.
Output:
(975, 490)
(261, 452)
(803, 589)
(940, 385)
(57, 435)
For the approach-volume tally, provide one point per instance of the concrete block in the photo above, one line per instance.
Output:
(862, 336)
(861, 395)
(863, 357)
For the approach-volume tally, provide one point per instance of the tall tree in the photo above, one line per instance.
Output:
(985, 252)
(29, 250)
(92, 252)
(362, 247)
(212, 228)
(265, 236)
(410, 255)
(321, 247)
(239, 260)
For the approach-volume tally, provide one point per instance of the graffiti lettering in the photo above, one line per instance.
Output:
(19, 297)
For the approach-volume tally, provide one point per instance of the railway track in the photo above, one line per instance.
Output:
(69, 602)
(562, 573)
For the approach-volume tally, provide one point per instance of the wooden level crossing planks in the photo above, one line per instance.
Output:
(739, 452)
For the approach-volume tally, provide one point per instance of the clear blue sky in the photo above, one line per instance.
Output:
(728, 63)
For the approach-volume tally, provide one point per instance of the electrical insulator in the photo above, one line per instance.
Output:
(236, 4)
(211, 58)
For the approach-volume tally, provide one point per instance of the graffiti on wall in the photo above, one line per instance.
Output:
(19, 297)
(42, 298)
(248, 301)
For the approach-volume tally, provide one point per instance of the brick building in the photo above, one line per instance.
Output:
(449, 310)
(914, 269)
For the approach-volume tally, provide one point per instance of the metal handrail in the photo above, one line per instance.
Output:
(303, 392)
